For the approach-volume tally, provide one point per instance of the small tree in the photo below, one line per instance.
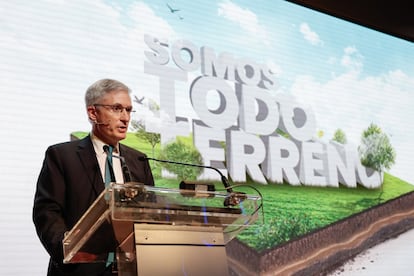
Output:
(178, 151)
(152, 138)
(139, 125)
(376, 150)
(372, 129)
(339, 136)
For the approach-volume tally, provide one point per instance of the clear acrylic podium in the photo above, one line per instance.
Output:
(162, 231)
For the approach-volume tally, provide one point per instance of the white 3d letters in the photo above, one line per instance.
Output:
(267, 137)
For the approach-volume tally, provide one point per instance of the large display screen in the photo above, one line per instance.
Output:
(269, 92)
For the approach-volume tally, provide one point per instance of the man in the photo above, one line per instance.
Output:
(73, 175)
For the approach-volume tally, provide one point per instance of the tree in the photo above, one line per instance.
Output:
(372, 129)
(139, 125)
(376, 150)
(178, 151)
(152, 138)
(339, 136)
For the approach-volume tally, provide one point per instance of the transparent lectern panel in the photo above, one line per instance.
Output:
(109, 222)
(92, 236)
(147, 204)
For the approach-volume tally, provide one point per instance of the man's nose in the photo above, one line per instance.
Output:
(125, 115)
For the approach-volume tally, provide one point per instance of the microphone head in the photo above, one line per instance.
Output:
(102, 123)
(143, 158)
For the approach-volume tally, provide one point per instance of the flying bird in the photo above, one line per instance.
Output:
(171, 9)
(139, 101)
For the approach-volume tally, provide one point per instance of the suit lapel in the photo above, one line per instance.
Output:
(87, 157)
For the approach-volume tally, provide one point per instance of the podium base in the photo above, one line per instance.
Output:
(180, 250)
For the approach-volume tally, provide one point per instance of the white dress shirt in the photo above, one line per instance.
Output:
(101, 156)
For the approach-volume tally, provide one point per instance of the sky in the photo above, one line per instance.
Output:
(52, 50)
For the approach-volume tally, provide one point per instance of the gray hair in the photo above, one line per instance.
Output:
(100, 88)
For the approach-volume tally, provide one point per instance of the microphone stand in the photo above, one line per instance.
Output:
(125, 170)
(232, 199)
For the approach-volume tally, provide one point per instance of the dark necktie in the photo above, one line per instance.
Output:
(109, 169)
(109, 177)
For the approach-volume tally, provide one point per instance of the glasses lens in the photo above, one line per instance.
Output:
(117, 108)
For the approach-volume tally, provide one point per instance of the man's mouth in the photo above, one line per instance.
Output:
(123, 128)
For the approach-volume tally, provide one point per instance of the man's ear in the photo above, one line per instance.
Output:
(91, 110)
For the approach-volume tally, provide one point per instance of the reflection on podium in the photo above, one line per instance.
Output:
(161, 231)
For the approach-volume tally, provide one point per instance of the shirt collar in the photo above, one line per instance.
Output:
(98, 145)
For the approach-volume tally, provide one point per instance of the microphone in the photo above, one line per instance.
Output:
(125, 170)
(232, 199)
(135, 193)
(224, 180)
(102, 123)
(124, 167)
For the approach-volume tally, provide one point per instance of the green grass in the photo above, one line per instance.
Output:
(291, 211)
(315, 206)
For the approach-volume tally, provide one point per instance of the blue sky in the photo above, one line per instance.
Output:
(278, 30)
(347, 74)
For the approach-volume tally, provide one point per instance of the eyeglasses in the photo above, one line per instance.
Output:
(117, 108)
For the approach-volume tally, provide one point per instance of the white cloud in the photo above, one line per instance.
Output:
(55, 50)
(246, 19)
(351, 103)
(311, 36)
(352, 59)
(146, 21)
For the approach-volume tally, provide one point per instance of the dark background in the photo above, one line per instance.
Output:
(392, 17)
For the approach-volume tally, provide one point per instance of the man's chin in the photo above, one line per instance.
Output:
(121, 136)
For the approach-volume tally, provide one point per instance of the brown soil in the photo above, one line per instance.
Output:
(324, 250)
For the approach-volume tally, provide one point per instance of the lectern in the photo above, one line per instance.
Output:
(161, 231)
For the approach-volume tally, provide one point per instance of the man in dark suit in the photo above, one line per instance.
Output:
(73, 175)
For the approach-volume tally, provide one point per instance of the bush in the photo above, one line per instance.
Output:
(178, 151)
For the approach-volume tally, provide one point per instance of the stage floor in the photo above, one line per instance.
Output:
(392, 257)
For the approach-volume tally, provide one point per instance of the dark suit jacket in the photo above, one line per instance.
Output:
(69, 182)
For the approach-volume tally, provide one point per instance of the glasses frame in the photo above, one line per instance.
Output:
(116, 108)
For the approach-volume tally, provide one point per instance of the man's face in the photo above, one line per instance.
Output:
(111, 116)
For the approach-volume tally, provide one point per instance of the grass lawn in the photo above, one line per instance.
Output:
(291, 211)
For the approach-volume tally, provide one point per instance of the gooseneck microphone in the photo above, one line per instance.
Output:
(232, 199)
(224, 180)
(125, 169)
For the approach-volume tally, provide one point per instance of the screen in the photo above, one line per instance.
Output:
(271, 80)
